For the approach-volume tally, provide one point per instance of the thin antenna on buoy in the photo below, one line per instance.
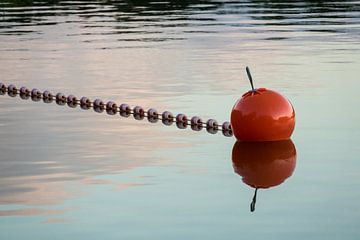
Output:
(250, 78)
(252, 205)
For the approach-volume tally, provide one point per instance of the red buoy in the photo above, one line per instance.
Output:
(262, 115)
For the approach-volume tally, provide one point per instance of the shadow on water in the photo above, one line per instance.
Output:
(264, 165)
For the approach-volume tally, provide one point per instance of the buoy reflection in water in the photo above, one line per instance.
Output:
(264, 164)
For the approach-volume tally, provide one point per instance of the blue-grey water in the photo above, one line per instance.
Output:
(73, 174)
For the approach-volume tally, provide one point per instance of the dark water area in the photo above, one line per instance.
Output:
(66, 173)
(128, 17)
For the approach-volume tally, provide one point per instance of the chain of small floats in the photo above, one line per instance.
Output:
(124, 110)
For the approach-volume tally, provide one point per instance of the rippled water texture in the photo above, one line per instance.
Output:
(72, 174)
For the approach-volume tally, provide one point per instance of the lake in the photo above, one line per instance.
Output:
(67, 173)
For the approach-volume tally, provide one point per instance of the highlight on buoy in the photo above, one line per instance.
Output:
(262, 115)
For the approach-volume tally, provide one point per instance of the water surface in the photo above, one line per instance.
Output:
(75, 174)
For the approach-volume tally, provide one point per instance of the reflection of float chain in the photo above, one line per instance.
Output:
(124, 110)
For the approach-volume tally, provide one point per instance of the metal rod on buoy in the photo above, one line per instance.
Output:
(250, 78)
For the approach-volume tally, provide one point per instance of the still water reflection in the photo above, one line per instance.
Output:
(265, 164)
(61, 165)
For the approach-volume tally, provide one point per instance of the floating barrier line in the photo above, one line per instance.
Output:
(123, 110)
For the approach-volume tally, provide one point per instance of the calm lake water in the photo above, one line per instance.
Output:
(73, 174)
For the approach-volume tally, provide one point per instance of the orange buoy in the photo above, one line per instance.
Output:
(262, 115)
(264, 164)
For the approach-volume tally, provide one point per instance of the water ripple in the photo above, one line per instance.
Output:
(198, 17)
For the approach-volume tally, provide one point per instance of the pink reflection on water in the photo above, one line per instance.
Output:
(30, 212)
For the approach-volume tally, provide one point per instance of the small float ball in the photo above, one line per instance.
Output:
(262, 115)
